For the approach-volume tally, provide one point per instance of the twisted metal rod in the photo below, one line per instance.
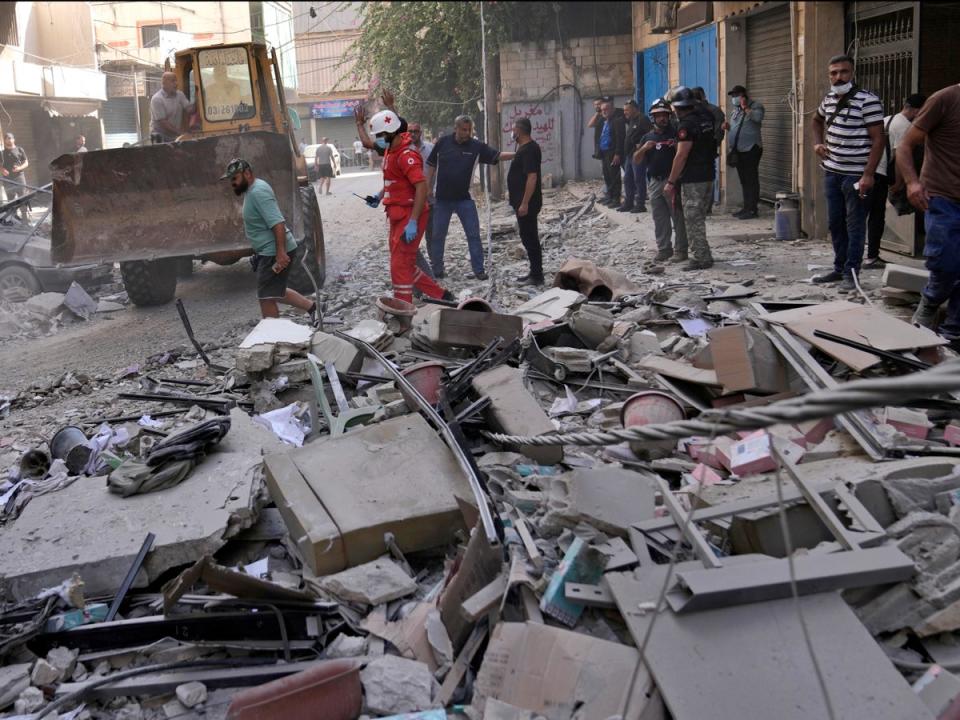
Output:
(849, 397)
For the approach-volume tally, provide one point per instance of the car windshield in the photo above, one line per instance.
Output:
(226, 86)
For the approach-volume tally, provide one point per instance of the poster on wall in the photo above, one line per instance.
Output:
(545, 127)
(333, 108)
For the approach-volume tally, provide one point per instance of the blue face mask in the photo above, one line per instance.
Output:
(382, 143)
(735, 101)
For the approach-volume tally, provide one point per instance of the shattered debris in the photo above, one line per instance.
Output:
(333, 521)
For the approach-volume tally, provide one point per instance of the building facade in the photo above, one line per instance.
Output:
(329, 88)
(51, 89)
(779, 52)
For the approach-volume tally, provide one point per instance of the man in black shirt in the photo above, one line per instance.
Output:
(634, 174)
(692, 170)
(526, 197)
(657, 151)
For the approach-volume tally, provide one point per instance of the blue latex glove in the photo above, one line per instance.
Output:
(373, 200)
(410, 231)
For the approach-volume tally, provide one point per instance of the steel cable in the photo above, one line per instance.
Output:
(850, 397)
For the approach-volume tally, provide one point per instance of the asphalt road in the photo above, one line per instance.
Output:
(218, 299)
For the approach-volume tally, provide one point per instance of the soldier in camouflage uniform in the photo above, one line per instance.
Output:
(693, 170)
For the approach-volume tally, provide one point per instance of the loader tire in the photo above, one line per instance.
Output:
(150, 282)
(315, 257)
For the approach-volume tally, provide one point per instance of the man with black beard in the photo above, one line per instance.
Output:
(275, 249)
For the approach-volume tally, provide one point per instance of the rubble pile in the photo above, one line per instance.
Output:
(365, 520)
(45, 313)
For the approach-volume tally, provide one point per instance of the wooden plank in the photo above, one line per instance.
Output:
(479, 604)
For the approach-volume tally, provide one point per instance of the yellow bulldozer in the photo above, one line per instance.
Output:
(154, 208)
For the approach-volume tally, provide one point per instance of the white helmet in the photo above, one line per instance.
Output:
(384, 121)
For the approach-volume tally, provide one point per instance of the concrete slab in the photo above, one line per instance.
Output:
(904, 277)
(281, 332)
(515, 411)
(345, 356)
(609, 498)
(340, 495)
(772, 675)
(88, 530)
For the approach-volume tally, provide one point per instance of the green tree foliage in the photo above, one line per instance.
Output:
(430, 51)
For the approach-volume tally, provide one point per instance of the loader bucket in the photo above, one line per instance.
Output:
(165, 200)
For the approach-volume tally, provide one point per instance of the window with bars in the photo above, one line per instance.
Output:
(884, 48)
(150, 34)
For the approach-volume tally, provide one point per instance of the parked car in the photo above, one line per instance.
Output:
(25, 265)
(310, 155)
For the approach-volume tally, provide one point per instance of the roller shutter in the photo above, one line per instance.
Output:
(768, 81)
(119, 122)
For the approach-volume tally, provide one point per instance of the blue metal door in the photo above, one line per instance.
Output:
(698, 60)
(654, 73)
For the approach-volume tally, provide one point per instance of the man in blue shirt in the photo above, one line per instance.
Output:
(451, 164)
(275, 250)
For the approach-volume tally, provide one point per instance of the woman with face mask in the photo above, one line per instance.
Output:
(744, 148)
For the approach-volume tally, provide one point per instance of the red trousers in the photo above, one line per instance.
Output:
(403, 256)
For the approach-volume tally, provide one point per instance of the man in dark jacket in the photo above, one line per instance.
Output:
(634, 174)
(611, 148)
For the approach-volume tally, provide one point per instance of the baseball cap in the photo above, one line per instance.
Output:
(737, 90)
(236, 165)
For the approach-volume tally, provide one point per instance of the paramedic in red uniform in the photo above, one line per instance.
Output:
(404, 196)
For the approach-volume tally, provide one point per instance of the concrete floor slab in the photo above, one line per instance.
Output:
(88, 530)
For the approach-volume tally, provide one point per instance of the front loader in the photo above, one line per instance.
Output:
(155, 207)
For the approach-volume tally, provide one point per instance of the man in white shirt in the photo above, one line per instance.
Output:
(167, 107)
(357, 152)
(895, 127)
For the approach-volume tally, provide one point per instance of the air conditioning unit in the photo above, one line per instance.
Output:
(693, 14)
(663, 19)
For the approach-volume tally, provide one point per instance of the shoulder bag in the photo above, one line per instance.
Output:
(733, 155)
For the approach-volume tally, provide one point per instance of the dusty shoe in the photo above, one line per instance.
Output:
(663, 255)
(698, 265)
(925, 315)
(847, 283)
(874, 264)
(679, 258)
(830, 277)
(625, 208)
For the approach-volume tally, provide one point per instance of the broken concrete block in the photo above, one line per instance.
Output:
(345, 356)
(45, 304)
(296, 370)
(346, 646)
(221, 496)
(44, 673)
(470, 328)
(256, 359)
(836, 444)
(643, 343)
(30, 700)
(609, 498)
(372, 583)
(591, 324)
(906, 278)
(174, 709)
(79, 302)
(14, 679)
(515, 411)
(64, 660)
(394, 685)
(279, 332)
(339, 495)
(191, 694)
(105, 306)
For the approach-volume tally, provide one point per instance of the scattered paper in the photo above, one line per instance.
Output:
(695, 327)
(148, 422)
(284, 423)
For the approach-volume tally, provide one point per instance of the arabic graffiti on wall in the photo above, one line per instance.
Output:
(545, 127)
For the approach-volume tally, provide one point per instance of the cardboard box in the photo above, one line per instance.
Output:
(951, 434)
(814, 431)
(714, 453)
(745, 360)
(754, 454)
(561, 674)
